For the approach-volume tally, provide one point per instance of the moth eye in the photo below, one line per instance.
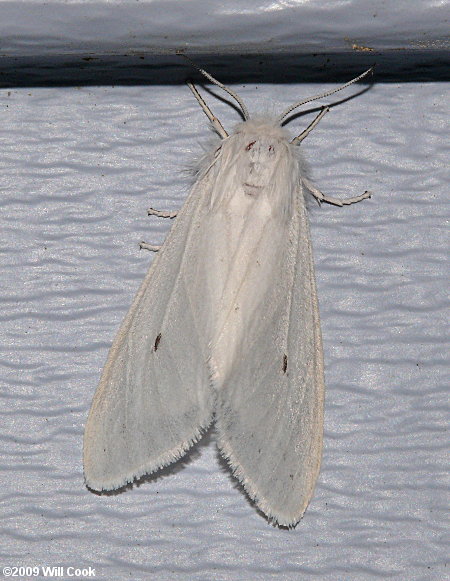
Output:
(250, 145)
(271, 148)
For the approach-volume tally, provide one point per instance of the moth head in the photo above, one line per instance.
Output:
(260, 144)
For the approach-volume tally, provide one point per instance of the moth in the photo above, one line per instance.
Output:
(225, 328)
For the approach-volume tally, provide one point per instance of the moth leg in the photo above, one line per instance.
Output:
(297, 140)
(161, 213)
(215, 122)
(320, 197)
(151, 247)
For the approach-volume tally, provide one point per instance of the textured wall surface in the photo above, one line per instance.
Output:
(79, 167)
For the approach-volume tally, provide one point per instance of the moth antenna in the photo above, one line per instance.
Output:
(221, 85)
(326, 94)
(215, 122)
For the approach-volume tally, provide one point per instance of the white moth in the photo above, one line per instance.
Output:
(225, 327)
